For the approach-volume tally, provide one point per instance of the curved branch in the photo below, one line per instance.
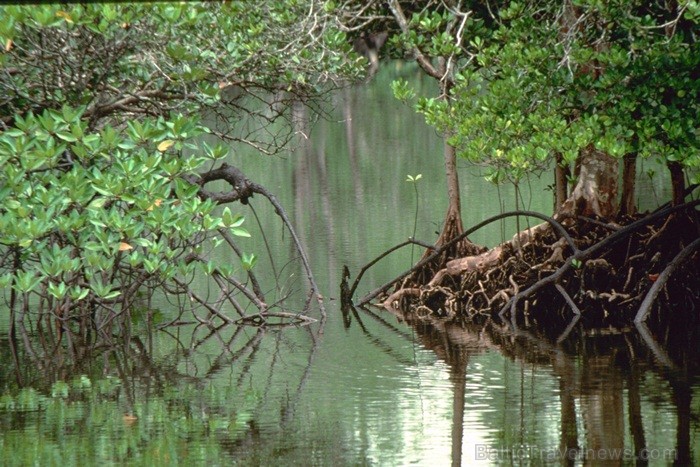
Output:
(585, 254)
(241, 186)
(553, 222)
(662, 279)
(366, 267)
(242, 189)
(297, 243)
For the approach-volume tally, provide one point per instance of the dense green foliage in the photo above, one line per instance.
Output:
(117, 215)
(153, 58)
(540, 79)
(97, 135)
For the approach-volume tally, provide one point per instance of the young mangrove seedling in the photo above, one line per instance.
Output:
(414, 181)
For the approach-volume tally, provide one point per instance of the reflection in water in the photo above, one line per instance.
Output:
(363, 389)
(597, 390)
(368, 390)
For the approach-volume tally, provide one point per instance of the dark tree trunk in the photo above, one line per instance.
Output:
(629, 176)
(677, 183)
(561, 180)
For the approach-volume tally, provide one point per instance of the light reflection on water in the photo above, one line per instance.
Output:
(372, 397)
(375, 391)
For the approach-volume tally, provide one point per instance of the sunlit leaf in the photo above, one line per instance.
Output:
(240, 232)
(165, 145)
(98, 203)
(123, 246)
(65, 15)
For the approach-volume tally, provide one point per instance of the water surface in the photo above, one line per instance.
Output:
(368, 388)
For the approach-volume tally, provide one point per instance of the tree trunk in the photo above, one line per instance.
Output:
(561, 180)
(629, 176)
(595, 193)
(677, 183)
(453, 219)
(443, 72)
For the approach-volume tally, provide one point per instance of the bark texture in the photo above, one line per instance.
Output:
(595, 193)
(629, 175)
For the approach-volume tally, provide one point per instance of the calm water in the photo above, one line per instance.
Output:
(369, 389)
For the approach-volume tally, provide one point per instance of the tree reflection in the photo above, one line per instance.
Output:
(185, 381)
(607, 400)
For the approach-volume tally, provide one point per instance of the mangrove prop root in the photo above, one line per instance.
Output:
(437, 251)
(661, 280)
(242, 188)
(589, 275)
(582, 255)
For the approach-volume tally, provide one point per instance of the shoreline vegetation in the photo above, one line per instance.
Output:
(105, 163)
(604, 272)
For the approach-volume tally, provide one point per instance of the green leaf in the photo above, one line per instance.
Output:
(98, 203)
(248, 261)
(240, 232)
(66, 136)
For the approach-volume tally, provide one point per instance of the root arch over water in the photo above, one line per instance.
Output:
(605, 272)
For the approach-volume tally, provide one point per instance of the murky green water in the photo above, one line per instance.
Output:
(368, 389)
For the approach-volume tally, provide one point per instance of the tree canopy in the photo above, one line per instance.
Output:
(556, 77)
(153, 59)
(535, 82)
(102, 161)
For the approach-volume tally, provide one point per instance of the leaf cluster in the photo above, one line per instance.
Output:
(155, 58)
(618, 81)
(88, 216)
(535, 80)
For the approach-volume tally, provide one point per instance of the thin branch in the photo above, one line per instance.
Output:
(568, 298)
(423, 61)
(662, 279)
(297, 243)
